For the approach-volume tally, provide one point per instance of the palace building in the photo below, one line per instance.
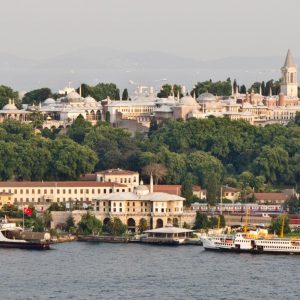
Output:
(155, 208)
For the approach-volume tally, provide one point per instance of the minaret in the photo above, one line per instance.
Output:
(289, 85)
(260, 91)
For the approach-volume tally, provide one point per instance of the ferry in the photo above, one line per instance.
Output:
(258, 241)
(12, 236)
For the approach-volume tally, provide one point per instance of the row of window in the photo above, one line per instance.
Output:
(39, 200)
(62, 191)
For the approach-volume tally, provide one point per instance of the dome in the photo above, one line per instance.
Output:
(49, 101)
(73, 97)
(9, 106)
(188, 101)
(142, 189)
(206, 97)
(89, 100)
(247, 105)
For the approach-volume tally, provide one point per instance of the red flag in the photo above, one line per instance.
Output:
(28, 211)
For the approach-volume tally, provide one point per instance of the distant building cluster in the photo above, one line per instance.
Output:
(136, 113)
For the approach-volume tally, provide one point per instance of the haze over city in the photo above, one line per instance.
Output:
(52, 43)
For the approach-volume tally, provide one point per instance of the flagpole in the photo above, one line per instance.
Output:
(23, 216)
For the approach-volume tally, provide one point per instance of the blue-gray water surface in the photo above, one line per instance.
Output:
(131, 271)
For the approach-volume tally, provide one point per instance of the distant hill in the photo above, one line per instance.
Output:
(102, 64)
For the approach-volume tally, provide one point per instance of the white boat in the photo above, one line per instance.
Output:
(12, 236)
(253, 243)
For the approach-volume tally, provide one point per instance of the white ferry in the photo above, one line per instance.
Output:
(253, 243)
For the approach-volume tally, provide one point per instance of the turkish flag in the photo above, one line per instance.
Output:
(28, 211)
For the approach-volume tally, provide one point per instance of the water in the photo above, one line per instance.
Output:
(131, 271)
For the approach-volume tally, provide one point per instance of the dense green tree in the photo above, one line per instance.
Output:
(101, 91)
(187, 189)
(115, 227)
(142, 225)
(6, 94)
(37, 96)
(79, 129)
(70, 160)
(37, 119)
(201, 221)
(89, 224)
(297, 118)
(243, 89)
(153, 126)
(219, 88)
(292, 205)
(125, 95)
(276, 225)
(209, 170)
(170, 90)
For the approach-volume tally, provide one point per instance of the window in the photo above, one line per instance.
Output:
(133, 203)
(99, 191)
(15, 191)
(58, 191)
(120, 204)
(87, 191)
(75, 191)
(64, 191)
(81, 191)
(93, 191)
(120, 209)
(21, 191)
(51, 191)
(45, 191)
(32, 192)
(70, 191)
(104, 191)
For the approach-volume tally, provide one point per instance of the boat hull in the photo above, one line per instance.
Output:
(252, 251)
(26, 245)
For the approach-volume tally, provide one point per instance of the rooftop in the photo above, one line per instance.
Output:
(169, 229)
(43, 184)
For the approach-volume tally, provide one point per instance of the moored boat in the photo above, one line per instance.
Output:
(12, 236)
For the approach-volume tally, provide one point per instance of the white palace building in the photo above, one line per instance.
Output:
(136, 113)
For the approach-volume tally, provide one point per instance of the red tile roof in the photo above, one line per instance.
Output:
(117, 172)
(270, 197)
(5, 184)
(174, 189)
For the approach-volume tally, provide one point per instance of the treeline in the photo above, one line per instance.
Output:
(28, 156)
(208, 152)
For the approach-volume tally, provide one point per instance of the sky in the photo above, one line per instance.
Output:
(199, 29)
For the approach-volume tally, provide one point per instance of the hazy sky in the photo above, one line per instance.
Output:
(202, 29)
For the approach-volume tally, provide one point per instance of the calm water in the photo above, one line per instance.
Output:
(130, 271)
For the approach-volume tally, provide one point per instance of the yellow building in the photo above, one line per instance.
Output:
(5, 199)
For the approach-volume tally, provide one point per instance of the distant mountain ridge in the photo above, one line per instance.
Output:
(101, 64)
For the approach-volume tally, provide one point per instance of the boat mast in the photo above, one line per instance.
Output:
(282, 225)
(246, 221)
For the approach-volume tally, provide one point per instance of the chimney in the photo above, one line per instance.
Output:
(151, 183)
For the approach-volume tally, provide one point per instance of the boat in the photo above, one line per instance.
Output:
(13, 236)
(258, 241)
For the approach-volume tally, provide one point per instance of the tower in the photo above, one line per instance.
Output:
(289, 85)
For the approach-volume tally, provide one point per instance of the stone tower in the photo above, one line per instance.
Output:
(289, 85)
